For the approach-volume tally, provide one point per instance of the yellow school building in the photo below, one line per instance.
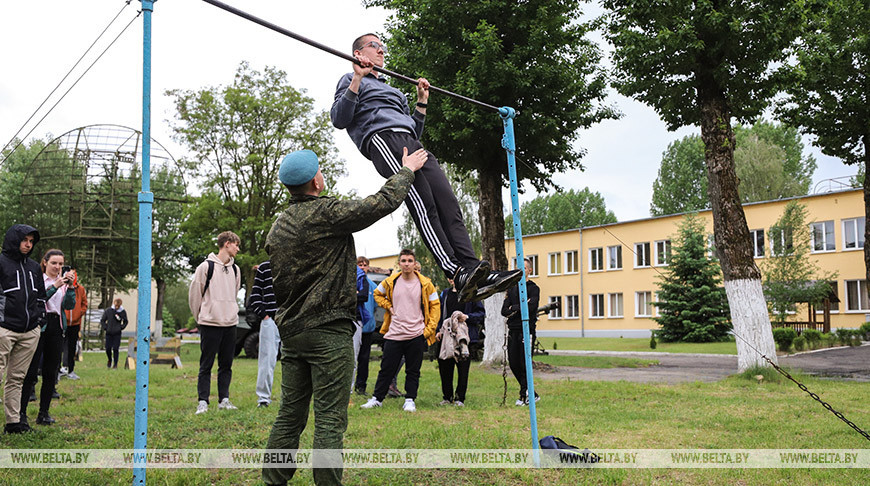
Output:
(604, 278)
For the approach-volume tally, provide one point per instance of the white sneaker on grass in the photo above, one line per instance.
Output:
(444, 402)
(520, 402)
(202, 407)
(372, 403)
(458, 403)
(225, 404)
(73, 376)
(409, 405)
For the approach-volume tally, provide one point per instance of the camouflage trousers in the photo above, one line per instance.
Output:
(318, 364)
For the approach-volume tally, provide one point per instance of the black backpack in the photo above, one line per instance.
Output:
(210, 273)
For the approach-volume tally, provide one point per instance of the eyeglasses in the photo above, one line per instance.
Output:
(376, 45)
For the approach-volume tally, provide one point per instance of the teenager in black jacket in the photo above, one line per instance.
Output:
(516, 350)
(22, 310)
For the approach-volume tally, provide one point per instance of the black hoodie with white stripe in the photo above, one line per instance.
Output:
(22, 291)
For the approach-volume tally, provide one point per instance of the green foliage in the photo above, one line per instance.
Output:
(561, 211)
(784, 337)
(13, 171)
(652, 340)
(800, 343)
(789, 276)
(865, 331)
(681, 185)
(238, 135)
(692, 304)
(768, 159)
(176, 304)
(532, 56)
(812, 336)
(670, 56)
(827, 90)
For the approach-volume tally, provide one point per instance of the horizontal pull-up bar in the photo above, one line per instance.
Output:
(340, 54)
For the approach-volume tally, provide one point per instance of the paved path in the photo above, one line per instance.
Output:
(842, 363)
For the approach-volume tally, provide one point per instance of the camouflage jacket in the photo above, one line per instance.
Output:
(313, 255)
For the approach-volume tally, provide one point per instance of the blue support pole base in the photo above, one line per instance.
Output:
(509, 143)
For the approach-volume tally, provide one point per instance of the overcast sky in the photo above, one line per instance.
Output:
(197, 45)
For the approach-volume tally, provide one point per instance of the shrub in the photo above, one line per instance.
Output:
(800, 343)
(857, 334)
(865, 331)
(844, 336)
(652, 340)
(827, 340)
(784, 336)
(812, 336)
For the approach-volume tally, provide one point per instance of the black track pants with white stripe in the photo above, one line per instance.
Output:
(431, 202)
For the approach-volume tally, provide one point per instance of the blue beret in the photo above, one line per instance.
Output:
(298, 168)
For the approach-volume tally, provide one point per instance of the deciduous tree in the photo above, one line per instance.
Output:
(704, 62)
(534, 56)
(829, 89)
(238, 135)
(562, 211)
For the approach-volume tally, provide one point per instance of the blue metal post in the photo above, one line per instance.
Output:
(509, 143)
(146, 202)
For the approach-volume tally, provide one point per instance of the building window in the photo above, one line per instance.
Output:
(642, 256)
(643, 301)
(554, 264)
(571, 262)
(534, 260)
(823, 236)
(655, 307)
(556, 312)
(572, 306)
(614, 257)
(856, 296)
(757, 243)
(596, 259)
(853, 233)
(596, 306)
(711, 246)
(781, 242)
(615, 305)
(663, 252)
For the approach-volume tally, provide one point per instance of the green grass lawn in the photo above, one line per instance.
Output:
(635, 344)
(596, 361)
(97, 412)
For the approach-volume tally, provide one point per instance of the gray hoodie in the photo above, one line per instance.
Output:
(376, 108)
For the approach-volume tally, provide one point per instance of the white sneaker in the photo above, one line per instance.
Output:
(372, 403)
(520, 402)
(444, 402)
(63, 371)
(202, 407)
(458, 403)
(409, 405)
(225, 404)
(73, 376)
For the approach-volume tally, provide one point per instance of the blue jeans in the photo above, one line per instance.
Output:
(270, 343)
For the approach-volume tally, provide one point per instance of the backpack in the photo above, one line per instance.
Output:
(554, 443)
(210, 273)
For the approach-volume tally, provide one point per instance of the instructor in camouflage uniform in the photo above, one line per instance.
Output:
(314, 274)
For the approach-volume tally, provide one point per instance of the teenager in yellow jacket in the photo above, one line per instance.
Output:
(413, 310)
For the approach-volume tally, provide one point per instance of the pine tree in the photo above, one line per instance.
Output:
(692, 304)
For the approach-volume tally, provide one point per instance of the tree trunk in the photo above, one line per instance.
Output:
(157, 328)
(491, 217)
(731, 234)
(496, 331)
(866, 140)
